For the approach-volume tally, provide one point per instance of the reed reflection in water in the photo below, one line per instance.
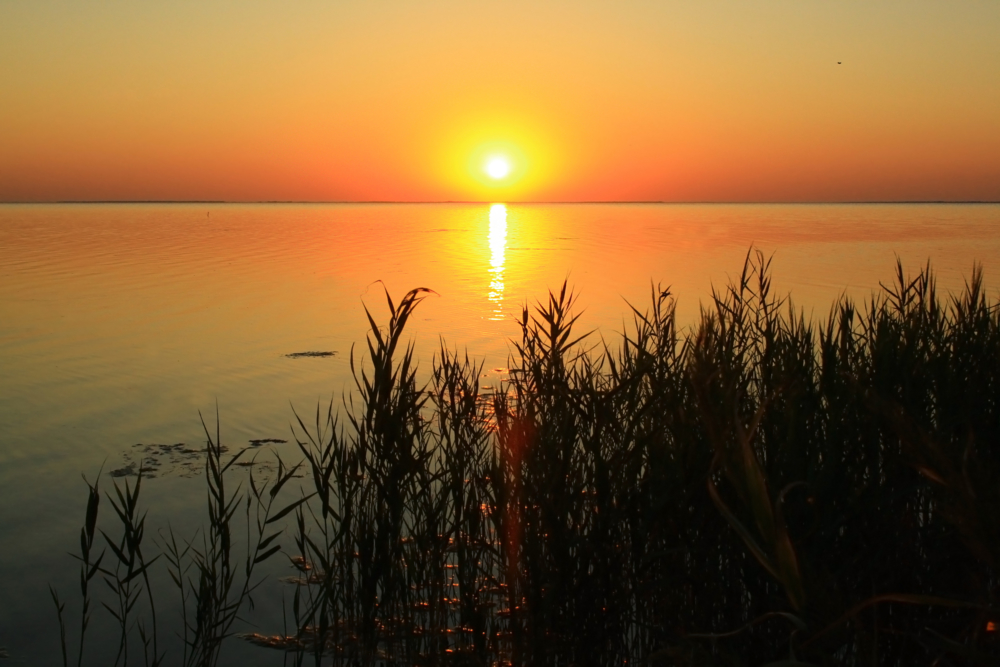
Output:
(498, 244)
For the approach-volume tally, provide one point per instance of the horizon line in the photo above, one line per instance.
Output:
(493, 201)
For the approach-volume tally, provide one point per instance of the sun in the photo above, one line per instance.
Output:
(497, 167)
(492, 168)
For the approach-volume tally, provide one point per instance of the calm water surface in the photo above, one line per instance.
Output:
(118, 323)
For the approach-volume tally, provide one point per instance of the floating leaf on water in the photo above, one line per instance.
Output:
(301, 563)
(257, 442)
(162, 459)
(282, 642)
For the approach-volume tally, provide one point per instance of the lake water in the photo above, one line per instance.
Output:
(118, 323)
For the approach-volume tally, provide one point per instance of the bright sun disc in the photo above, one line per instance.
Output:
(497, 167)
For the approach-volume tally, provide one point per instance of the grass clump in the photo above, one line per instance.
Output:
(759, 490)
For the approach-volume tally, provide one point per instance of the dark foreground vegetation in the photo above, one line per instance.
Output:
(761, 490)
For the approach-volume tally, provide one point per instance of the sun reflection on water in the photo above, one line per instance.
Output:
(498, 244)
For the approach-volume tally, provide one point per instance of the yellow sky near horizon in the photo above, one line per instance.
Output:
(594, 100)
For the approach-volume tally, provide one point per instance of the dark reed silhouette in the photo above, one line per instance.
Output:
(759, 490)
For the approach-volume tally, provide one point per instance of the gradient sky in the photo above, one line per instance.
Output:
(333, 100)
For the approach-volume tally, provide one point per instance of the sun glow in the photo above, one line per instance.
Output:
(498, 159)
(497, 167)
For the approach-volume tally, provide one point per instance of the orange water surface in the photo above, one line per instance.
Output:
(120, 322)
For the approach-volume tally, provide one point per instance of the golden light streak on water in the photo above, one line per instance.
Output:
(498, 245)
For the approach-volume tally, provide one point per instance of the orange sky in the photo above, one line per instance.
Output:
(590, 100)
